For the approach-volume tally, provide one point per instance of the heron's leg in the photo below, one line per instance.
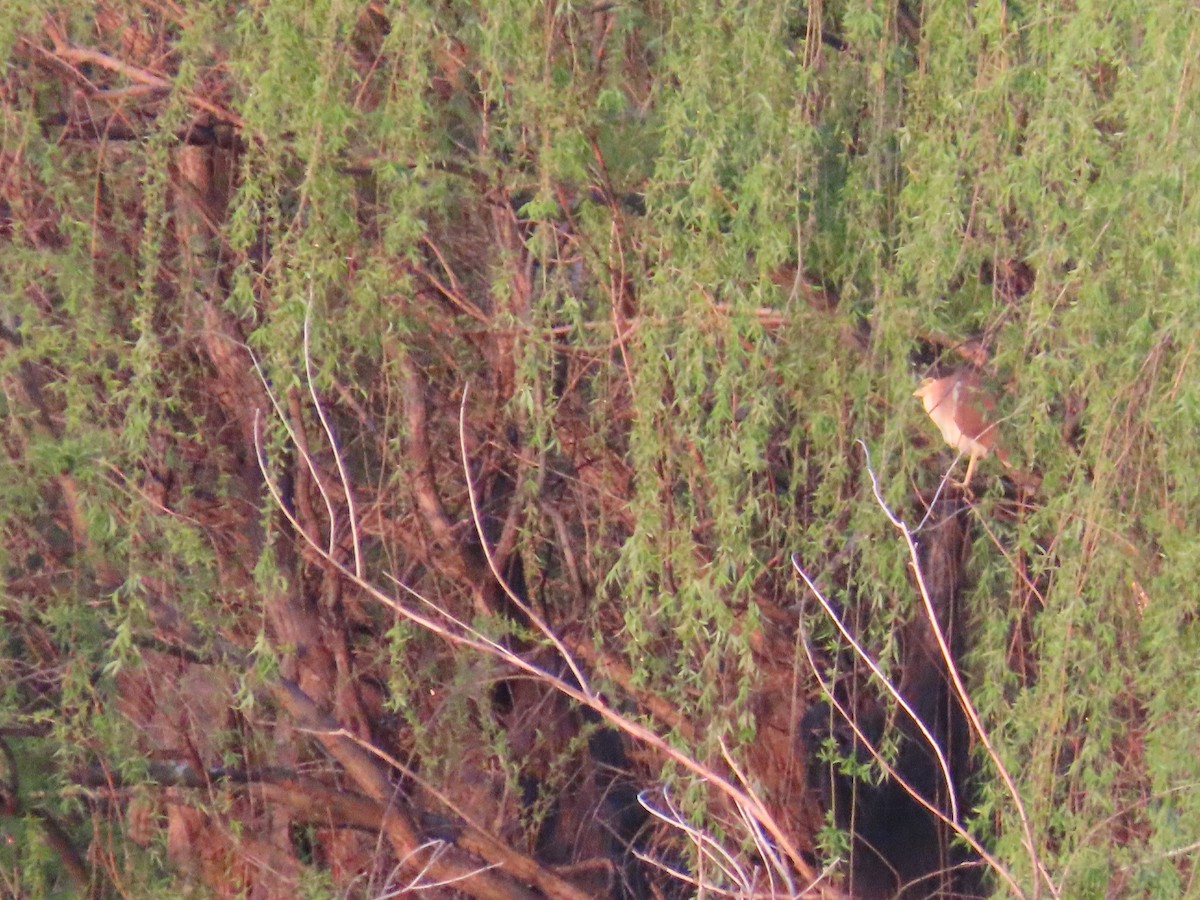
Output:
(970, 469)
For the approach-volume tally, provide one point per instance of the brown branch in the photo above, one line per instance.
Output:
(423, 486)
(619, 673)
(399, 824)
(91, 883)
(381, 808)
(60, 842)
(317, 803)
(68, 53)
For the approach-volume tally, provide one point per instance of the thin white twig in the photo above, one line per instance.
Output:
(704, 843)
(491, 560)
(943, 764)
(751, 817)
(436, 849)
(938, 493)
(351, 513)
(308, 461)
(415, 884)
(959, 688)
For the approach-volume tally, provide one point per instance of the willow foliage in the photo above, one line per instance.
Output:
(684, 258)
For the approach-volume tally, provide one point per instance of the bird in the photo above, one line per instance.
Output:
(964, 412)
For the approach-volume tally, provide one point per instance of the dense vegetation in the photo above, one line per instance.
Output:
(416, 418)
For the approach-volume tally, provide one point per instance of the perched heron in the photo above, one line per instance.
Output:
(964, 413)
